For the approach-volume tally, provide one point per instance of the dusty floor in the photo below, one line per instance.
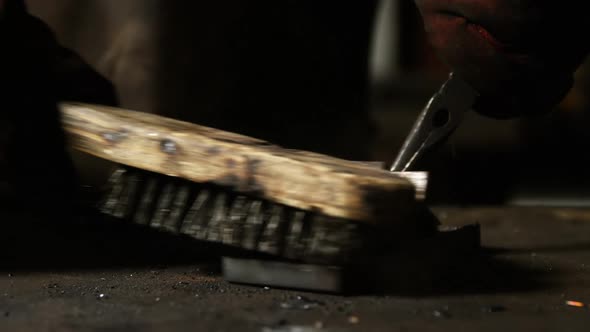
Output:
(84, 280)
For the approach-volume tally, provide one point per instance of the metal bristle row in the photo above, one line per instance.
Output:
(212, 213)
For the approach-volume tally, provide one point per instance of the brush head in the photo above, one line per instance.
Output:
(208, 212)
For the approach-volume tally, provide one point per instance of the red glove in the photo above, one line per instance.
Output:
(520, 55)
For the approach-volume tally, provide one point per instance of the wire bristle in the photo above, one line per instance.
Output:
(212, 213)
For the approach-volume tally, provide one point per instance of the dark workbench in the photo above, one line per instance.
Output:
(62, 280)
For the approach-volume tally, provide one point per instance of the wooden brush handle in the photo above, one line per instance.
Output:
(301, 179)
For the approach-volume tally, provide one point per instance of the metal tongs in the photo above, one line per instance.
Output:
(437, 121)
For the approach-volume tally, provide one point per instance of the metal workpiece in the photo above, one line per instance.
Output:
(437, 121)
(382, 272)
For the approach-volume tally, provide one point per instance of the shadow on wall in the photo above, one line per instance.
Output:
(118, 38)
(293, 73)
(296, 74)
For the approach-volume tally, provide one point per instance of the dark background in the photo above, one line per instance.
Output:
(326, 77)
(339, 78)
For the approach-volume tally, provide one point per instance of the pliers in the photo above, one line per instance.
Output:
(438, 120)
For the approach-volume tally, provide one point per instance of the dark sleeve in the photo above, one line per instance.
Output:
(37, 73)
(78, 81)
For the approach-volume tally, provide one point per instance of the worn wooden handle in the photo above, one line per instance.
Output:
(300, 179)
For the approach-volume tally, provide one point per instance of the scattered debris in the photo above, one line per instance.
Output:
(290, 328)
(493, 308)
(575, 304)
(441, 314)
(302, 303)
(283, 326)
(181, 284)
(281, 322)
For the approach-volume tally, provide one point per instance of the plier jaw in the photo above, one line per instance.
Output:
(436, 122)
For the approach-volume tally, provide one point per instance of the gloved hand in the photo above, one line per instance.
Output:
(520, 55)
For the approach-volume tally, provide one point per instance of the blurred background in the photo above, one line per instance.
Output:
(343, 79)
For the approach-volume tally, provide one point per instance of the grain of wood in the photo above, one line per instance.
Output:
(301, 179)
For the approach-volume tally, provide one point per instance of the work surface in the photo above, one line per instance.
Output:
(55, 280)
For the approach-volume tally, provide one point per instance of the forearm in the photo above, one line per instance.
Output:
(521, 55)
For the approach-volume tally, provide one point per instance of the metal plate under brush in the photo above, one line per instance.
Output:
(416, 265)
